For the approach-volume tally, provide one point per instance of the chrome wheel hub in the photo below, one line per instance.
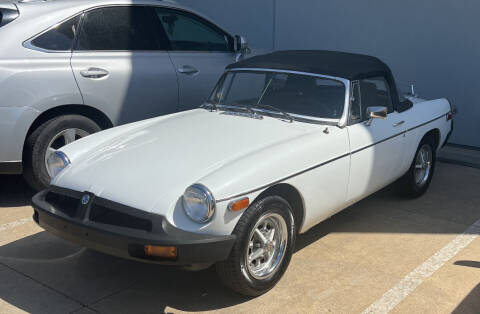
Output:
(423, 165)
(61, 139)
(266, 246)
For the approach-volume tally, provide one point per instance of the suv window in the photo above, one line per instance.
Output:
(59, 38)
(118, 28)
(188, 32)
(375, 92)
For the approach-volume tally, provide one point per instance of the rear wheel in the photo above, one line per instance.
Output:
(50, 136)
(417, 180)
(264, 247)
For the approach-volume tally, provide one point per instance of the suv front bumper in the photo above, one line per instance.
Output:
(123, 231)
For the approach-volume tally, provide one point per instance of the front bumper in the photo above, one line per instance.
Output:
(123, 231)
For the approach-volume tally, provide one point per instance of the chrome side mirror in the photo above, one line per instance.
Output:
(379, 112)
(241, 47)
(241, 44)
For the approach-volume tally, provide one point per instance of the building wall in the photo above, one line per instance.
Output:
(433, 44)
(252, 18)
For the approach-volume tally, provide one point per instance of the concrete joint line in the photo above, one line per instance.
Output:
(43, 284)
(409, 283)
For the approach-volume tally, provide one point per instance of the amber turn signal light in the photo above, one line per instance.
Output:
(239, 205)
(450, 115)
(161, 251)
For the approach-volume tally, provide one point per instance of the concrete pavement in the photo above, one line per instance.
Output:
(343, 265)
(460, 155)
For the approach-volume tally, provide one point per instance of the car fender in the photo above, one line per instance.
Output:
(422, 118)
(301, 163)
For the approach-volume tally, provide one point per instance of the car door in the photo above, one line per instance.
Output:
(377, 147)
(200, 51)
(122, 66)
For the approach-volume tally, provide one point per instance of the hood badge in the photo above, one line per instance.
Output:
(85, 199)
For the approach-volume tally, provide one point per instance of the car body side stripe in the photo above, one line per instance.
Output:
(286, 178)
(325, 162)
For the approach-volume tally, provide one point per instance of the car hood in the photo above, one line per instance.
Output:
(151, 163)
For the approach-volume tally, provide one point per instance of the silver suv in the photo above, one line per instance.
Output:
(69, 68)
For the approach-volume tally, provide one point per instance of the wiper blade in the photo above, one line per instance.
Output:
(236, 106)
(212, 106)
(272, 108)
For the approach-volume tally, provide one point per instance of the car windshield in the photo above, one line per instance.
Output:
(289, 94)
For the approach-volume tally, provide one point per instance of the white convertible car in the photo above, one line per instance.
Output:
(285, 141)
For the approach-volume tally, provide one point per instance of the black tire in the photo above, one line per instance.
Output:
(234, 272)
(408, 185)
(35, 171)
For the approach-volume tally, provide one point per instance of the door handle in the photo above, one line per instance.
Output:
(94, 73)
(399, 123)
(187, 69)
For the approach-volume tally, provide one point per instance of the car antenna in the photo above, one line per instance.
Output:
(412, 90)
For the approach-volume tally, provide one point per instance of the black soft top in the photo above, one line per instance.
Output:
(350, 66)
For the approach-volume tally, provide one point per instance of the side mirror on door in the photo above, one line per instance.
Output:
(241, 47)
(379, 112)
(241, 44)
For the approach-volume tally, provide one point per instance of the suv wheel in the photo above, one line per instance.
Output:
(46, 139)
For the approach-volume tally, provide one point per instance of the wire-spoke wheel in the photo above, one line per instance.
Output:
(423, 165)
(266, 248)
(418, 177)
(61, 139)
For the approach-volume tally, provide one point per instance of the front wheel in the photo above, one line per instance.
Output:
(264, 247)
(417, 180)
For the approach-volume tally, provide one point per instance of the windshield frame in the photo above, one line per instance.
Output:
(341, 122)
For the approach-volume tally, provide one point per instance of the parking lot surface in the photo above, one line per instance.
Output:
(383, 254)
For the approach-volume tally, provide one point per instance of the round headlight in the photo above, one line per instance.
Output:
(56, 162)
(198, 203)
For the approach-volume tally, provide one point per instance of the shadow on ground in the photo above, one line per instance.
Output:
(88, 277)
(111, 285)
(470, 303)
(14, 191)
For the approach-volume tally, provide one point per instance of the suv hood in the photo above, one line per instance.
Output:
(144, 162)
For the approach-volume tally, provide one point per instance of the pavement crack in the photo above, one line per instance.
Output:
(413, 211)
(44, 285)
(84, 307)
(110, 295)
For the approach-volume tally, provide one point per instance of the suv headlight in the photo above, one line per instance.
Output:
(198, 203)
(56, 163)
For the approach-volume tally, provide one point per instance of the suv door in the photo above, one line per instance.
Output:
(376, 148)
(200, 51)
(122, 66)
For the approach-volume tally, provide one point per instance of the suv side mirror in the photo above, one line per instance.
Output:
(241, 44)
(379, 112)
